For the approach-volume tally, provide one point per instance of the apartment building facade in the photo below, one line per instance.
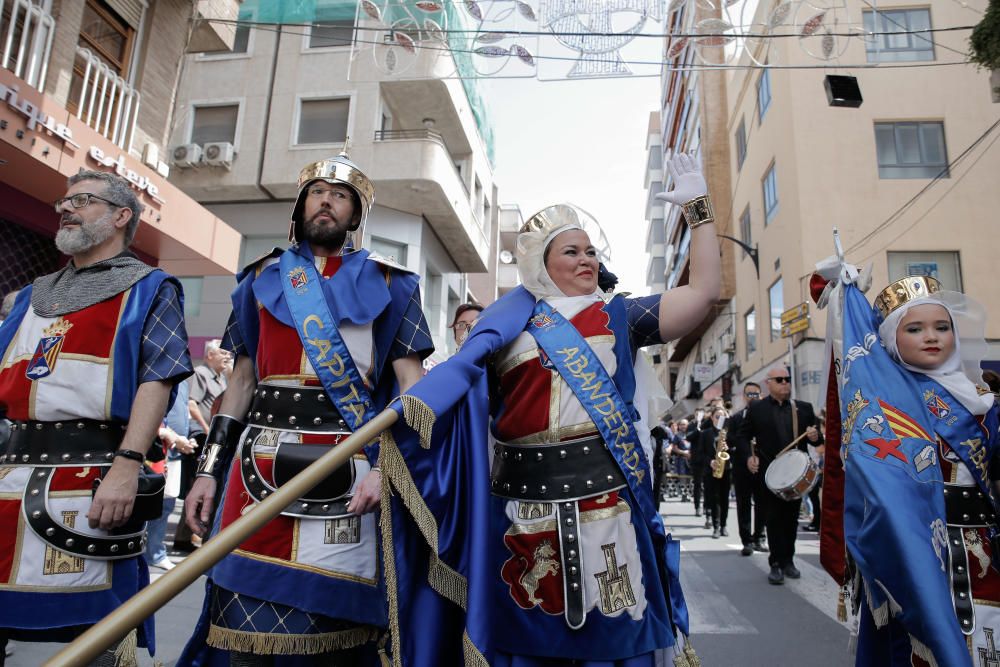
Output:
(908, 178)
(288, 95)
(87, 84)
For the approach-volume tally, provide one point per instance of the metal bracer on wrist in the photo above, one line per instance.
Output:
(223, 436)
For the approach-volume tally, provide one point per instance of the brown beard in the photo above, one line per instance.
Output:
(328, 236)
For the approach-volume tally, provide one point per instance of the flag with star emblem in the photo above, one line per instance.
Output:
(894, 513)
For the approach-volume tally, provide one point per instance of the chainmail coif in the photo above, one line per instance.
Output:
(70, 289)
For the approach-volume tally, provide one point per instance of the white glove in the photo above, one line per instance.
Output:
(685, 172)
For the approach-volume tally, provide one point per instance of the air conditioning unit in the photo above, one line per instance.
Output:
(186, 155)
(728, 344)
(219, 154)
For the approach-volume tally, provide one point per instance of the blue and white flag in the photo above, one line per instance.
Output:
(894, 512)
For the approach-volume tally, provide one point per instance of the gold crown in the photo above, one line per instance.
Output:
(905, 290)
(58, 328)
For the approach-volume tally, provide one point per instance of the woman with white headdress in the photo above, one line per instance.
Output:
(519, 488)
(920, 433)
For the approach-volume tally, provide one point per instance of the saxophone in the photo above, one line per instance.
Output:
(721, 455)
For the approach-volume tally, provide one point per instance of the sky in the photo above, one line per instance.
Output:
(583, 142)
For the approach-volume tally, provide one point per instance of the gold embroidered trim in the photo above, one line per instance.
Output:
(419, 417)
(440, 576)
(263, 643)
(125, 652)
(473, 656)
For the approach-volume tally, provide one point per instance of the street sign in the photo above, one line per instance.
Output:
(798, 312)
(794, 327)
(703, 372)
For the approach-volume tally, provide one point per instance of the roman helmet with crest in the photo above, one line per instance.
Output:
(337, 170)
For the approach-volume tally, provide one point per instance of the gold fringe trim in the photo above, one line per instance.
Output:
(473, 656)
(680, 660)
(440, 576)
(389, 556)
(841, 606)
(419, 417)
(692, 658)
(261, 643)
(125, 652)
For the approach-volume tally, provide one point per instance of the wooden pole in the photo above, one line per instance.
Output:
(120, 622)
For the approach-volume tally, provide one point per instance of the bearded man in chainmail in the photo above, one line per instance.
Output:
(90, 358)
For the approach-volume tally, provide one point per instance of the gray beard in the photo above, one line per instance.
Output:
(86, 236)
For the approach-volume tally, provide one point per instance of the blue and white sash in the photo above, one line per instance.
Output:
(586, 376)
(317, 328)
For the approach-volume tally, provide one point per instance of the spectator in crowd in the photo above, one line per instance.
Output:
(697, 461)
(660, 435)
(465, 317)
(206, 385)
(174, 442)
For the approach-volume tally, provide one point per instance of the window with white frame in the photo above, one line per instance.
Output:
(323, 121)
(331, 34)
(769, 186)
(746, 234)
(391, 249)
(750, 326)
(911, 150)
(214, 123)
(893, 35)
(741, 144)
(943, 265)
(763, 93)
(241, 42)
(776, 302)
(255, 247)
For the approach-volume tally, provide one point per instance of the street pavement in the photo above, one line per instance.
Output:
(737, 618)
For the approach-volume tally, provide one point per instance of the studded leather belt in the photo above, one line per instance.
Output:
(63, 443)
(967, 506)
(558, 472)
(305, 409)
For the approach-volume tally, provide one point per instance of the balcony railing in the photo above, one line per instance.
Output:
(27, 41)
(107, 102)
(402, 135)
(392, 135)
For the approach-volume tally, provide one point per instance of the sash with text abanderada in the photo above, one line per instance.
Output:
(894, 509)
(579, 367)
(317, 328)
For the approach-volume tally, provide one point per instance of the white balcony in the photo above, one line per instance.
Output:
(507, 278)
(27, 34)
(415, 173)
(107, 102)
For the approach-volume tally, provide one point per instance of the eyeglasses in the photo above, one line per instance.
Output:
(463, 326)
(780, 380)
(82, 199)
(753, 394)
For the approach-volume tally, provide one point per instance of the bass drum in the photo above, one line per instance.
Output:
(792, 475)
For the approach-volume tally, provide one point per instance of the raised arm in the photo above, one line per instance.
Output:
(683, 308)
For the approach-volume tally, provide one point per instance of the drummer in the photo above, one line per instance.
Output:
(776, 421)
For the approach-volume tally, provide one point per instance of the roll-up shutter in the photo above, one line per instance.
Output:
(129, 10)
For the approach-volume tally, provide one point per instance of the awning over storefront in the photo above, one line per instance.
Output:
(42, 143)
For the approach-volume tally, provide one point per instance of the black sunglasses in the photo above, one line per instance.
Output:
(753, 394)
(781, 380)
